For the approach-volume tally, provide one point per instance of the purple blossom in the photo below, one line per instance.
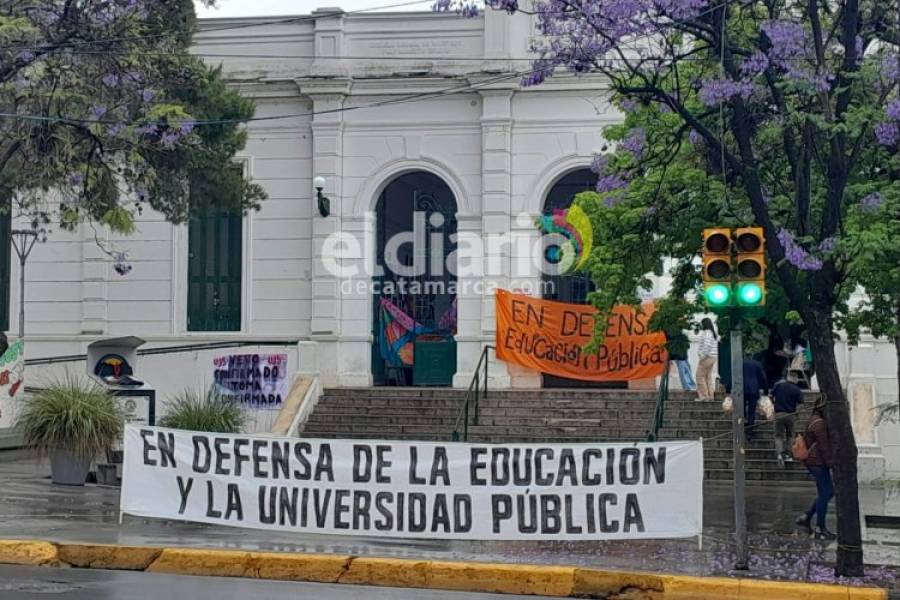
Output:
(628, 105)
(635, 142)
(796, 254)
(467, 9)
(754, 64)
(828, 244)
(890, 67)
(611, 183)
(695, 137)
(680, 9)
(186, 127)
(115, 129)
(872, 202)
(887, 134)
(599, 164)
(25, 56)
(76, 179)
(788, 41)
(169, 139)
(110, 80)
(148, 129)
(98, 110)
(509, 6)
(893, 110)
(716, 91)
(147, 95)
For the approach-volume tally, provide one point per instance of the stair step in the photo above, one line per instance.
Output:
(547, 416)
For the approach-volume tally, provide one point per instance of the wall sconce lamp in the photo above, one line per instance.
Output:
(323, 202)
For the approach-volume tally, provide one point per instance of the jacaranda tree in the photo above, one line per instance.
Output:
(777, 113)
(104, 112)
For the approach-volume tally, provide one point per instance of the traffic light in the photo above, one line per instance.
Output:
(751, 266)
(717, 273)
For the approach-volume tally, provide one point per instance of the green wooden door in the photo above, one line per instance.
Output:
(215, 272)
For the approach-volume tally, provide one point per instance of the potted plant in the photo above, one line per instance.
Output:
(73, 421)
(198, 410)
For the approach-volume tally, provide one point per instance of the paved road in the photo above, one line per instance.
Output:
(34, 583)
(32, 508)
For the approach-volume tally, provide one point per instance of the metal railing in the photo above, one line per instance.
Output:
(659, 413)
(473, 395)
(49, 360)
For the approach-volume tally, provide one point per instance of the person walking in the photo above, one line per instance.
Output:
(786, 396)
(755, 385)
(678, 353)
(709, 352)
(818, 463)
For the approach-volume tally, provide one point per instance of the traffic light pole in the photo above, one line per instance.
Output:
(737, 422)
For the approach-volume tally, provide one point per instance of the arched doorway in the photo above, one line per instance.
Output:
(575, 287)
(414, 291)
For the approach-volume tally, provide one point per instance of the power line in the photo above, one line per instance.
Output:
(406, 99)
(421, 57)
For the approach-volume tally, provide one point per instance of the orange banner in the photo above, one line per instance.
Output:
(550, 337)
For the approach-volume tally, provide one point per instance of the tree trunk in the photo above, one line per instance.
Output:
(837, 414)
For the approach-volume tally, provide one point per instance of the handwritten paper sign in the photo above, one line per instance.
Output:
(255, 381)
(550, 337)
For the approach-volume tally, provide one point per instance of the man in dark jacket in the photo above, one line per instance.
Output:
(786, 396)
(755, 384)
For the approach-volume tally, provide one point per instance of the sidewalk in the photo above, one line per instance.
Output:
(32, 508)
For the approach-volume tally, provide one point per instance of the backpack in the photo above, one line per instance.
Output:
(799, 450)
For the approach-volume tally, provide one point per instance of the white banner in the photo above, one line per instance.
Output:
(416, 489)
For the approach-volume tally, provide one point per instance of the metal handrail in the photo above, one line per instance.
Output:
(473, 394)
(660, 412)
(49, 360)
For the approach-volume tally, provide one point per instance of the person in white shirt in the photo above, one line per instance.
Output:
(709, 353)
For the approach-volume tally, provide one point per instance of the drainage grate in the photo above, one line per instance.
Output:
(882, 522)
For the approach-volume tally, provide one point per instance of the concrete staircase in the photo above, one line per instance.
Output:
(507, 416)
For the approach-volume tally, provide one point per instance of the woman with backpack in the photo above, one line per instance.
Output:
(814, 448)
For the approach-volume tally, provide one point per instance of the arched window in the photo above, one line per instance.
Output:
(573, 287)
(414, 291)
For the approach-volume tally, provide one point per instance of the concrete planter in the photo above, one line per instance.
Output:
(69, 468)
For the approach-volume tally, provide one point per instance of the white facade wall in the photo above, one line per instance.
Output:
(498, 147)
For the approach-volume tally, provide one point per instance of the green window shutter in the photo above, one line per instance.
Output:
(215, 262)
(5, 262)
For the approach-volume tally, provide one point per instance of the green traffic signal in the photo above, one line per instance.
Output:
(718, 295)
(750, 294)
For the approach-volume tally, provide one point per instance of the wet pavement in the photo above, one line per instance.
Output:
(32, 508)
(34, 583)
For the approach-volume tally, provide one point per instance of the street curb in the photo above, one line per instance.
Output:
(537, 580)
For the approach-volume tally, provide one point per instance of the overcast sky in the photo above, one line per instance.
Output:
(247, 8)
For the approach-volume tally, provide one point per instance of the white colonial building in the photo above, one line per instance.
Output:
(400, 114)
